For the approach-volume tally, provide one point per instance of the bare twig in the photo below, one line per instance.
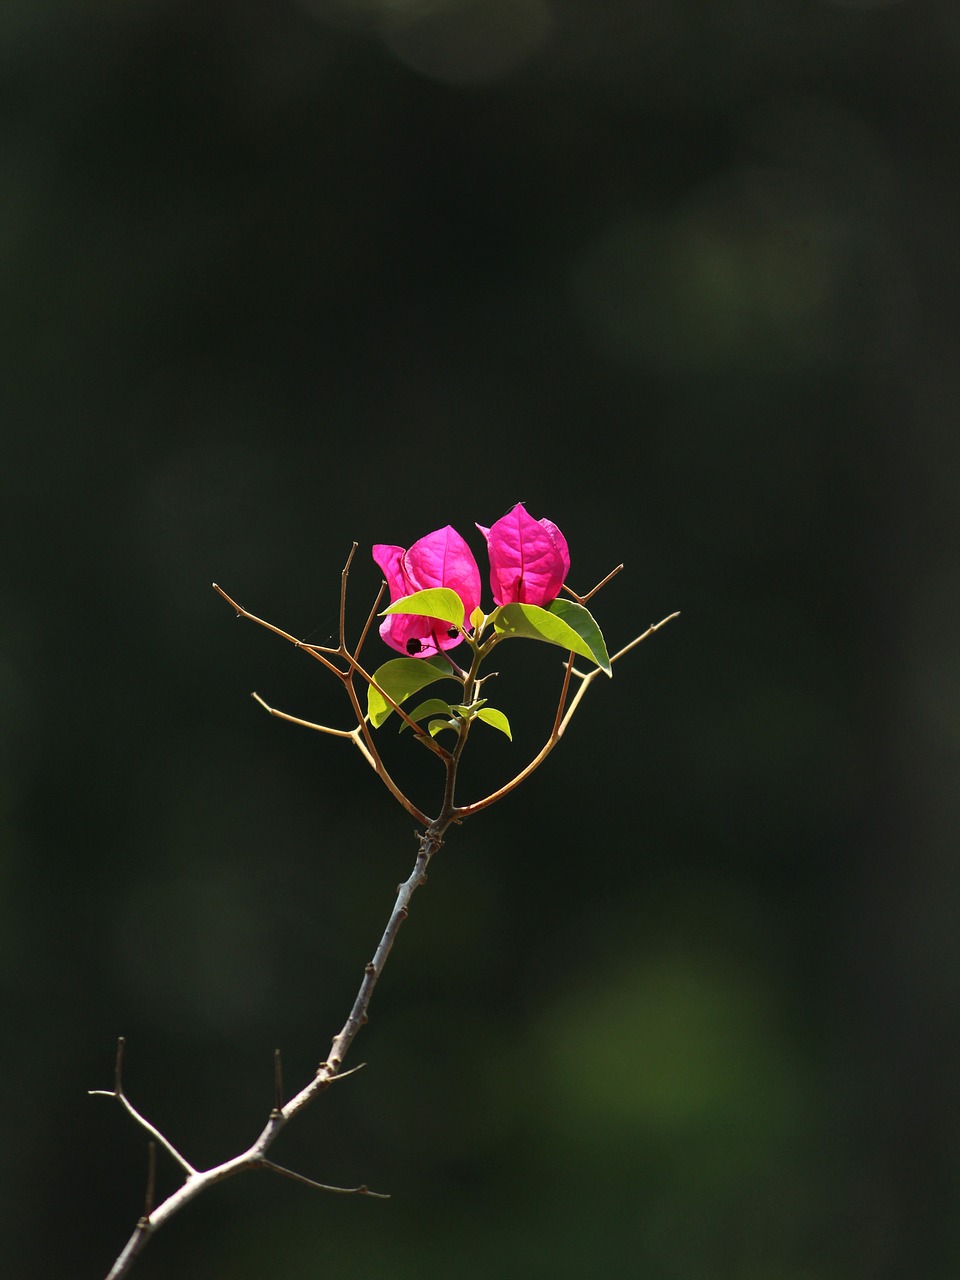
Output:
(254, 1157)
(346, 678)
(353, 734)
(118, 1093)
(362, 1190)
(593, 590)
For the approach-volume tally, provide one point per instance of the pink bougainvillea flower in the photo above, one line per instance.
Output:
(528, 558)
(441, 559)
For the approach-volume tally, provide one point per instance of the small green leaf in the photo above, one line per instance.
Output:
(477, 618)
(399, 678)
(495, 718)
(432, 707)
(565, 624)
(437, 726)
(467, 712)
(436, 602)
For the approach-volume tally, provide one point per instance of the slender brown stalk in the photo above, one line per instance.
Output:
(368, 746)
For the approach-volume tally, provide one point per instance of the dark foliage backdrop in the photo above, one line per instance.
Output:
(683, 276)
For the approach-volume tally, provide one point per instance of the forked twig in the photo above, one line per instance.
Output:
(118, 1093)
(346, 676)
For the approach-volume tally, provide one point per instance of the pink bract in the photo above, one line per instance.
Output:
(441, 559)
(529, 559)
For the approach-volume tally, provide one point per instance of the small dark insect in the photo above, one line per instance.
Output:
(453, 633)
(413, 646)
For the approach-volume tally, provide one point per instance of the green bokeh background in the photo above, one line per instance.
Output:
(682, 275)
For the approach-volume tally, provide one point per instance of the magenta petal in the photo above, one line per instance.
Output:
(529, 559)
(441, 559)
(560, 543)
(390, 560)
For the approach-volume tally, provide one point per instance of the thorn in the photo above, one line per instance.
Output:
(118, 1068)
(277, 1081)
(151, 1180)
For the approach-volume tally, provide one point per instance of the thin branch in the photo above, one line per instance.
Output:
(394, 706)
(305, 724)
(344, 574)
(558, 718)
(593, 590)
(312, 650)
(342, 1075)
(329, 1071)
(346, 678)
(649, 632)
(558, 730)
(317, 651)
(118, 1093)
(353, 734)
(371, 617)
(381, 769)
(362, 1190)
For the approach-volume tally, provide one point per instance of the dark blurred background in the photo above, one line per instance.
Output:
(682, 275)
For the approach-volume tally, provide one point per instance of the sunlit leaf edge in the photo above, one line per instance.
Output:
(434, 602)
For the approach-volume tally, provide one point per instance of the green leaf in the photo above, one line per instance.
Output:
(432, 707)
(582, 621)
(399, 678)
(437, 726)
(566, 624)
(491, 716)
(436, 602)
(477, 618)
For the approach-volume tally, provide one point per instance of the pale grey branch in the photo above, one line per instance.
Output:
(254, 1157)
